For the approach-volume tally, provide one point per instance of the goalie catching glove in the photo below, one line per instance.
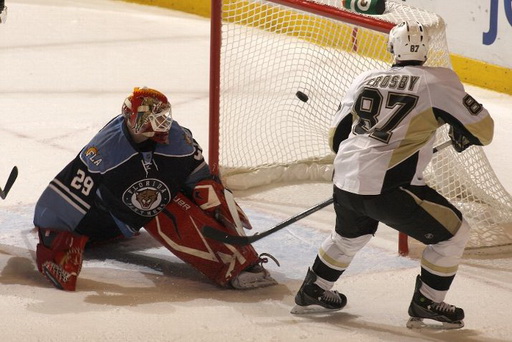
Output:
(459, 141)
(218, 202)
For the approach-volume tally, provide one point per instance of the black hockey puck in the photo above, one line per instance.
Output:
(301, 96)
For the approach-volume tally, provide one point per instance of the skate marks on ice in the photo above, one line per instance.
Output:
(127, 272)
(361, 329)
(141, 260)
(395, 330)
(138, 275)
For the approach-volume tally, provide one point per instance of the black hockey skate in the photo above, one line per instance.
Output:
(313, 299)
(450, 316)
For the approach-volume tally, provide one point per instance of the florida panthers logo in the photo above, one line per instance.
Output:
(147, 197)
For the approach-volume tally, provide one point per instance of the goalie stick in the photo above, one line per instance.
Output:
(9, 183)
(218, 235)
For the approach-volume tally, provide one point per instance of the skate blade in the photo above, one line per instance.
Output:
(419, 323)
(310, 309)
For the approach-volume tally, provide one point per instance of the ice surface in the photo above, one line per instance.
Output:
(66, 67)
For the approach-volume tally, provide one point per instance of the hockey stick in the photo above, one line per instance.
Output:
(9, 183)
(221, 236)
(218, 235)
(442, 146)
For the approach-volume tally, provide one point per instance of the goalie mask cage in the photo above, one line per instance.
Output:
(264, 51)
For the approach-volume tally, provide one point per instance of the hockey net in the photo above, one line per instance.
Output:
(265, 51)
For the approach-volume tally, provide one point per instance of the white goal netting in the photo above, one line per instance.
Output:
(269, 50)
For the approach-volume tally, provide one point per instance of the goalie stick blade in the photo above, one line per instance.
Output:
(218, 235)
(10, 181)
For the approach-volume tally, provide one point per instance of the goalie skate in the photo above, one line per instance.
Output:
(312, 299)
(438, 315)
(253, 277)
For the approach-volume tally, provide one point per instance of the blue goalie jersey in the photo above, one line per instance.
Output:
(115, 181)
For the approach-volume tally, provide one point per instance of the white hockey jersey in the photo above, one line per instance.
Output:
(384, 130)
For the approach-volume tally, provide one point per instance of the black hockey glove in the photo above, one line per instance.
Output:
(459, 141)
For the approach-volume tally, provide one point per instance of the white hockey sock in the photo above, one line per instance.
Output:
(324, 284)
(434, 295)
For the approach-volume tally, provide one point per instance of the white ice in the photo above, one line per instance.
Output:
(66, 66)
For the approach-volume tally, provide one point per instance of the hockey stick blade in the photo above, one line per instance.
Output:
(9, 183)
(221, 236)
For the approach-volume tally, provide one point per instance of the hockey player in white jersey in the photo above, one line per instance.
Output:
(383, 136)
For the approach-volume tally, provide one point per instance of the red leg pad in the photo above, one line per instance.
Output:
(62, 261)
(210, 196)
(178, 228)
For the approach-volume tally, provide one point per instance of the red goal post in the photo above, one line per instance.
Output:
(264, 51)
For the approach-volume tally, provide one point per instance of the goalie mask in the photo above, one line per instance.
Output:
(408, 41)
(148, 112)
